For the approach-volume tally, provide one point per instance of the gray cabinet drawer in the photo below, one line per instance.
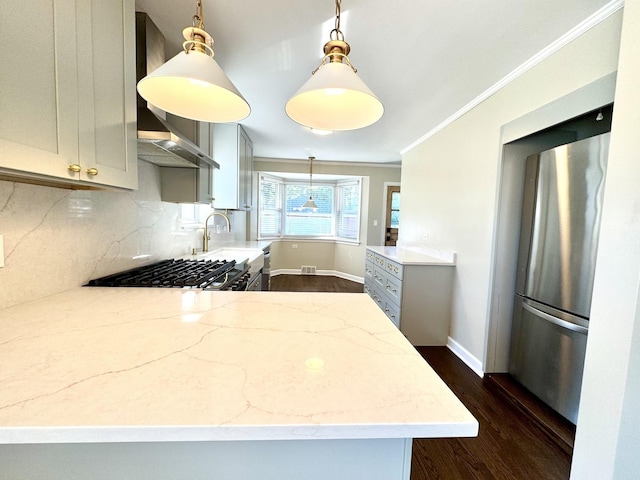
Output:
(368, 287)
(393, 312)
(379, 261)
(370, 256)
(393, 288)
(379, 277)
(368, 271)
(393, 268)
(378, 297)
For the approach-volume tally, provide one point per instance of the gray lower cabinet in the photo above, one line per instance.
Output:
(416, 298)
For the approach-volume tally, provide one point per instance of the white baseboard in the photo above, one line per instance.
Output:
(463, 354)
(326, 273)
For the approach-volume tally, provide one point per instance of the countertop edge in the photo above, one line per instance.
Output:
(136, 434)
(413, 256)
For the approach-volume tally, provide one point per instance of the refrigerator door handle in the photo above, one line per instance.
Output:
(554, 320)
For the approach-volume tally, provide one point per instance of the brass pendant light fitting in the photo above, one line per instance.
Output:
(335, 98)
(336, 49)
(196, 38)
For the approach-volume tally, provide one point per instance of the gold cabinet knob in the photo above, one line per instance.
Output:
(92, 171)
(74, 167)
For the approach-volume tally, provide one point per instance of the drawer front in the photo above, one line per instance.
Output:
(379, 277)
(378, 298)
(379, 261)
(368, 270)
(393, 312)
(393, 268)
(370, 256)
(393, 288)
(368, 287)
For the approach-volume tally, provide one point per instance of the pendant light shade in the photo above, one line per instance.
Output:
(335, 98)
(310, 203)
(192, 84)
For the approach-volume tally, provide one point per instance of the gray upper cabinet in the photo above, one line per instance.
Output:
(68, 101)
(233, 182)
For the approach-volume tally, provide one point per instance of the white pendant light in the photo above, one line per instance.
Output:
(310, 203)
(335, 98)
(192, 84)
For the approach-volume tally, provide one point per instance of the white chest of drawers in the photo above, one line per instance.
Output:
(414, 290)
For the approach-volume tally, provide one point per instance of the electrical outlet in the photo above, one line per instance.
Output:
(1, 251)
(295, 245)
(375, 223)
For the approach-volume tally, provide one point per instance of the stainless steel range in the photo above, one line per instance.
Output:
(202, 274)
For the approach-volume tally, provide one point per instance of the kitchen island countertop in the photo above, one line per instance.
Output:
(136, 365)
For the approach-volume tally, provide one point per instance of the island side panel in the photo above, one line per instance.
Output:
(379, 459)
(426, 304)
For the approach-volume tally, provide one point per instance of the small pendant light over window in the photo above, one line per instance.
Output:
(192, 84)
(335, 98)
(310, 203)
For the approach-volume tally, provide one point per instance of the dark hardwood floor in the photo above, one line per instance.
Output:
(314, 283)
(511, 444)
(515, 441)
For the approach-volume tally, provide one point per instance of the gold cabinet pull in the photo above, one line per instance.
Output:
(74, 167)
(92, 171)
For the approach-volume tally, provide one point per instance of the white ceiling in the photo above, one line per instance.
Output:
(424, 59)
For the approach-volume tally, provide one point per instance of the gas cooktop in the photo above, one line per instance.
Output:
(203, 274)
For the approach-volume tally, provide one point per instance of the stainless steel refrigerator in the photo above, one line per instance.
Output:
(558, 244)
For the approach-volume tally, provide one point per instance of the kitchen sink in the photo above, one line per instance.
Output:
(252, 257)
(237, 254)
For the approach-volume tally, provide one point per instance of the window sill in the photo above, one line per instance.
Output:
(340, 241)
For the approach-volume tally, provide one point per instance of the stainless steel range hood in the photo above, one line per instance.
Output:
(159, 142)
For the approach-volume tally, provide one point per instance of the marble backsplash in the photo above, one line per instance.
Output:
(56, 239)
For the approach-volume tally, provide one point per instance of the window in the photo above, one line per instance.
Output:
(300, 221)
(282, 212)
(348, 209)
(395, 210)
(270, 207)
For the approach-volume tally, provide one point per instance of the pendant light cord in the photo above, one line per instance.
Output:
(198, 18)
(338, 33)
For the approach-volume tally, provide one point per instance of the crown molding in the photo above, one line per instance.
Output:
(590, 22)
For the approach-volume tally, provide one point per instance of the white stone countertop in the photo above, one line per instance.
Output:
(139, 365)
(415, 256)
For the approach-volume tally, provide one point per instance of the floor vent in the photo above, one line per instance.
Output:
(308, 270)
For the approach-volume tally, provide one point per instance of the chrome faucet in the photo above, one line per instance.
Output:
(205, 235)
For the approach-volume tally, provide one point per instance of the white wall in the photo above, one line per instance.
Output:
(450, 181)
(608, 434)
(607, 441)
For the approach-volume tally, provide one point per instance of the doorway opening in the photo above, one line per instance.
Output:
(392, 222)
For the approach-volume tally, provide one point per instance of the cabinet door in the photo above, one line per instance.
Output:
(38, 98)
(206, 171)
(247, 170)
(106, 89)
(234, 153)
(226, 154)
